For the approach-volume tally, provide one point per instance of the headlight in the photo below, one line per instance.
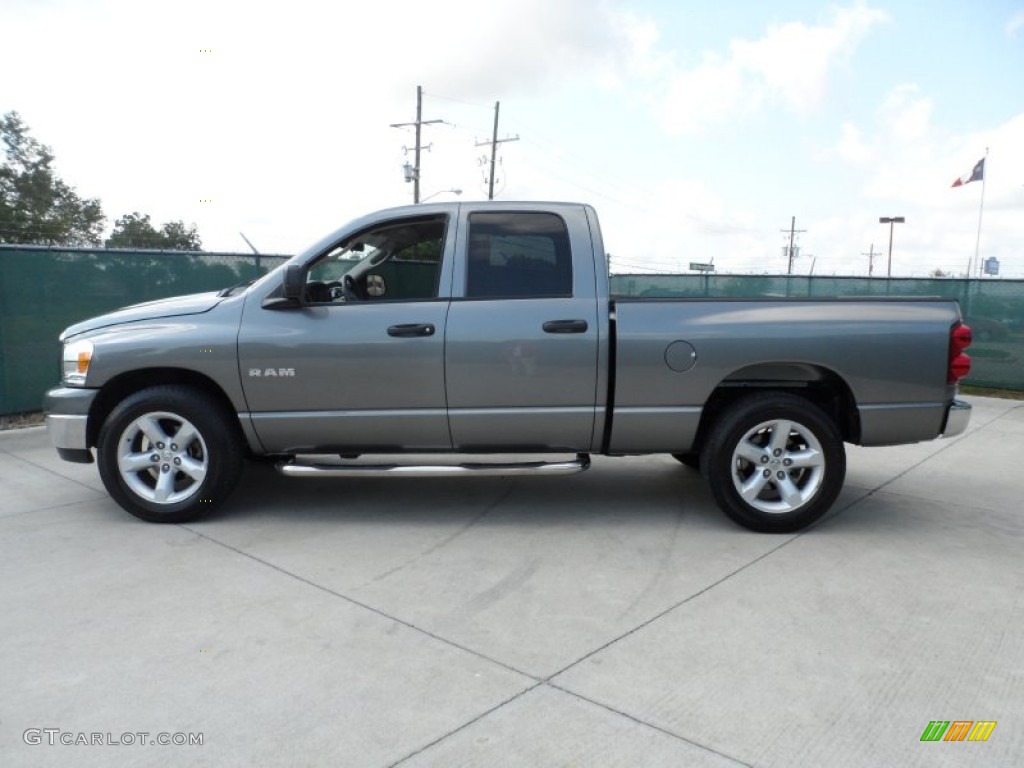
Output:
(76, 358)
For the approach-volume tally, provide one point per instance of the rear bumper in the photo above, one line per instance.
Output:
(67, 422)
(958, 416)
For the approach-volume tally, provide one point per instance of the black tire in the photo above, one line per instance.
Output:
(690, 459)
(186, 481)
(791, 496)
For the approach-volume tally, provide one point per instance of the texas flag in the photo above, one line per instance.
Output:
(978, 174)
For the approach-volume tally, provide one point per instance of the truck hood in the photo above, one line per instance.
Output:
(193, 304)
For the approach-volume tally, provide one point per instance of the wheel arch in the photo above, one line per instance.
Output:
(815, 383)
(126, 384)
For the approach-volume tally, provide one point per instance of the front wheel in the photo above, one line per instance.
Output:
(775, 462)
(169, 454)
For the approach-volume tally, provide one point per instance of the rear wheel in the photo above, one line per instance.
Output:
(775, 462)
(169, 454)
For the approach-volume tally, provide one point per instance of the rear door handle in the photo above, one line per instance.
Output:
(565, 326)
(411, 329)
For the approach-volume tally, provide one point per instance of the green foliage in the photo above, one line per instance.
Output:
(134, 230)
(36, 206)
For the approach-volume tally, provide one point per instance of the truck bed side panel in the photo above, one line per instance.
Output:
(891, 354)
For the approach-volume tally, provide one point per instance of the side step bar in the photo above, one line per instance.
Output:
(296, 469)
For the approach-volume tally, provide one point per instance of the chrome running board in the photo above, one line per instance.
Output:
(293, 468)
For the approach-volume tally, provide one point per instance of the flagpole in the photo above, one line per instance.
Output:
(981, 210)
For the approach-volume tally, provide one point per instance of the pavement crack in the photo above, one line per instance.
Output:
(359, 603)
(664, 558)
(646, 724)
(445, 541)
(49, 471)
(12, 515)
(466, 724)
(674, 606)
(949, 444)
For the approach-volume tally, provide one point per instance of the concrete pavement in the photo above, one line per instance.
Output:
(611, 618)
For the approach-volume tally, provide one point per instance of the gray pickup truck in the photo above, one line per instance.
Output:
(489, 329)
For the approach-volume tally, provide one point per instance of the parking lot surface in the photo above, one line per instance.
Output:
(614, 618)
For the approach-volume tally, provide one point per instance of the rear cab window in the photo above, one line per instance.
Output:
(518, 255)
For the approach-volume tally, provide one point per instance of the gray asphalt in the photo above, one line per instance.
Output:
(614, 618)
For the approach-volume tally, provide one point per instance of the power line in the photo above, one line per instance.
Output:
(562, 155)
(458, 101)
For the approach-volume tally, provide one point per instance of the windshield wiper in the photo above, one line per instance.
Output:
(228, 291)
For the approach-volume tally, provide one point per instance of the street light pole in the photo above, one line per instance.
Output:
(891, 221)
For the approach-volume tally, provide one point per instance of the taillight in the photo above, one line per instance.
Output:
(959, 364)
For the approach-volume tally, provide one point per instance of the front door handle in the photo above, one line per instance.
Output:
(411, 329)
(565, 326)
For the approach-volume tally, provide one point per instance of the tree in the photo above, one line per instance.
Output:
(135, 230)
(180, 237)
(36, 206)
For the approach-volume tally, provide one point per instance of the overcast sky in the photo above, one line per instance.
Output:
(697, 129)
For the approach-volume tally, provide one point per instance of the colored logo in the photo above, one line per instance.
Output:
(958, 730)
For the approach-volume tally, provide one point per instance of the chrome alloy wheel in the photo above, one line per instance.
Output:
(162, 457)
(778, 466)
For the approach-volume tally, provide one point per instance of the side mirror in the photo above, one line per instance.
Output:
(292, 289)
(294, 282)
(375, 286)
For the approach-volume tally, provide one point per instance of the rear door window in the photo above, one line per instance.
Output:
(518, 255)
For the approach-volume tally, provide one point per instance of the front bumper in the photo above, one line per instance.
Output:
(67, 422)
(958, 415)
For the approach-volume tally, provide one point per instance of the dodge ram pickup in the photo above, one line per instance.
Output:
(489, 329)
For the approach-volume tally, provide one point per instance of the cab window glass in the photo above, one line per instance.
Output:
(518, 255)
(395, 261)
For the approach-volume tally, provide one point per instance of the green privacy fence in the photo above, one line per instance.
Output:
(43, 290)
(993, 308)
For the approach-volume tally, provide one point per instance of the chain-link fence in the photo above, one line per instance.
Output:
(993, 308)
(43, 290)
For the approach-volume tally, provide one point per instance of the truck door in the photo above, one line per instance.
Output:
(360, 366)
(522, 337)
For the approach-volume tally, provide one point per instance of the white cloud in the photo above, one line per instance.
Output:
(1015, 24)
(898, 149)
(675, 222)
(912, 166)
(636, 54)
(285, 124)
(790, 65)
(851, 147)
(905, 115)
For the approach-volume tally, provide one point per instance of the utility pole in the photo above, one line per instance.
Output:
(871, 259)
(793, 232)
(413, 174)
(494, 142)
